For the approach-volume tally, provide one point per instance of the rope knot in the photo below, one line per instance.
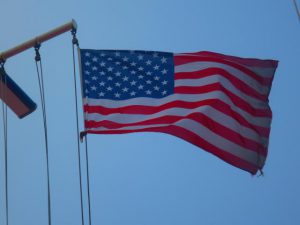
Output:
(74, 40)
(37, 52)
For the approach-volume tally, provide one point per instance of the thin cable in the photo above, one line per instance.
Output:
(75, 42)
(5, 130)
(39, 69)
(6, 157)
(297, 9)
(88, 178)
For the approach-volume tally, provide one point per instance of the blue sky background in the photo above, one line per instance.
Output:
(148, 178)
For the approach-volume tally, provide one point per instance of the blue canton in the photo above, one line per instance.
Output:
(120, 75)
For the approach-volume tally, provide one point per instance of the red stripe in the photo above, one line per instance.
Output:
(239, 102)
(194, 139)
(212, 125)
(239, 84)
(184, 59)
(226, 109)
(252, 62)
(148, 110)
(137, 109)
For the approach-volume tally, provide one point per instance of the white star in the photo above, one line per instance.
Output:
(94, 68)
(140, 87)
(101, 94)
(117, 95)
(94, 78)
(125, 89)
(95, 59)
(109, 88)
(102, 64)
(118, 84)
(102, 83)
(156, 88)
(164, 71)
(86, 91)
(140, 57)
(140, 76)
(148, 62)
(87, 63)
(133, 72)
(110, 69)
(164, 82)
(163, 60)
(109, 59)
(86, 81)
(109, 78)
(118, 74)
(133, 64)
(125, 67)
(117, 53)
(87, 72)
(156, 78)
(132, 93)
(133, 82)
(94, 88)
(148, 81)
(164, 92)
(156, 67)
(117, 63)
(125, 59)
(102, 73)
(87, 54)
(125, 78)
(140, 68)
(155, 54)
(149, 73)
(102, 55)
(148, 92)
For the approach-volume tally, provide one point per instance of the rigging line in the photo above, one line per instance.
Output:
(5, 132)
(75, 42)
(88, 178)
(297, 9)
(39, 69)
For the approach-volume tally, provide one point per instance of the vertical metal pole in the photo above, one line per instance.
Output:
(4, 116)
(75, 42)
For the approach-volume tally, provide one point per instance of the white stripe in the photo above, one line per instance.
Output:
(205, 134)
(196, 66)
(141, 127)
(209, 111)
(221, 142)
(226, 84)
(264, 72)
(258, 121)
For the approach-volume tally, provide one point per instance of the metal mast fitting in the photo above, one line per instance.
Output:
(38, 40)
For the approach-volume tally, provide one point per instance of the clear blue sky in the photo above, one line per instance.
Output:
(146, 178)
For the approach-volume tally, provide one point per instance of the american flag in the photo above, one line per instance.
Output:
(216, 102)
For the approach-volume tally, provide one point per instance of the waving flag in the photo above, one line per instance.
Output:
(14, 96)
(216, 102)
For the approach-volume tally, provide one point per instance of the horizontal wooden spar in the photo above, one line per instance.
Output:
(39, 39)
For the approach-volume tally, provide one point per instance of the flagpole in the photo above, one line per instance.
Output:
(39, 39)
